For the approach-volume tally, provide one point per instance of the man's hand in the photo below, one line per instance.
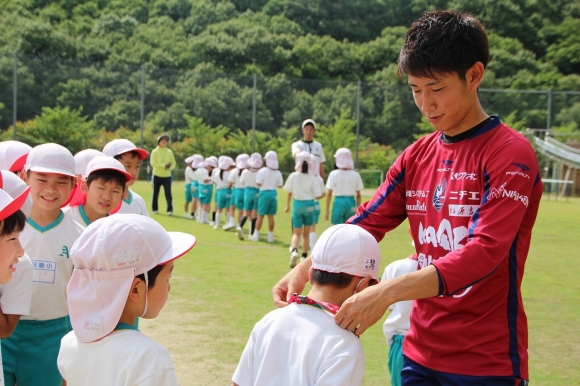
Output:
(293, 282)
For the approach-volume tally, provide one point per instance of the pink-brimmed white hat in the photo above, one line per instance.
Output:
(121, 146)
(348, 249)
(104, 162)
(107, 256)
(309, 121)
(13, 155)
(14, 186)
(225, 162)
(343, 158)
(50, 158)
(242, 161)
(255, 161)
(211, 162)
(82, 159)
(189, 159)
(197, 160)
(300, 158)
(271, 159)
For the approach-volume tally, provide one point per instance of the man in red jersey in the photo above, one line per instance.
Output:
(471, 192)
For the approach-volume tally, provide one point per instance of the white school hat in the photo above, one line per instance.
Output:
(13, 155)
(309, 121)
(50, 158)
(82, 159)
(343, 158)
(121, 146)
(104, 162)
(271, 159)
(255, 161)
(211, 162)
(166, 136)
(189, 160)
(197, 161)
(300, 158)
(242, 161)
(107, 256)
(225, 162)
(14, 186)
(348, 249)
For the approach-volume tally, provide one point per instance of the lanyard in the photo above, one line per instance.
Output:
(328, 307)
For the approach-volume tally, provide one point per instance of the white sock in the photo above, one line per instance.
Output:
(217, 218)
(270, 234)
(313, 237)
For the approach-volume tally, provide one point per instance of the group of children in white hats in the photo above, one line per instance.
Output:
(95, 262)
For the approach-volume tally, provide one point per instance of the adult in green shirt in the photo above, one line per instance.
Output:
(163, 163)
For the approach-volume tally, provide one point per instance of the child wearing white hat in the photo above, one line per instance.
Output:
(237, 200)
(13, 155)
(305, 189)
(204, 174)
(224, 190)
(189, 176)
(103, 185)
(196, 164)
(301, 344)
(130, 156)
(82, 159)
(345, 184)
(123, 264)
(268, 179)
(251, 194)
(29, 354)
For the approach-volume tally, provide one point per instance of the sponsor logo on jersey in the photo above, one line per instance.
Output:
(462, 210)
(446, 166)
(517, 173)
(446, 237)
(459, 176)
(439, 195)
(463, 194)
(503, 192)
(418, 207)
(447, 162)
(417, 193)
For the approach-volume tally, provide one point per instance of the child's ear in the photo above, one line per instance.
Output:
(135, 292)
(23, 176)
(84, 186)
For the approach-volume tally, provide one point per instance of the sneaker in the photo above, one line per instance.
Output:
(216, 226)
(211, 223)
(170, 213)
(188, 216)
(290, 249)
(302, 258)
(155, 212)
(240, 233)
(229, 226)
(293, 258)
(255, 236)
(270, 238)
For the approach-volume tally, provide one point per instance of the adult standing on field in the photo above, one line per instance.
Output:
(307, 143)
(163, 163)
(471, 192)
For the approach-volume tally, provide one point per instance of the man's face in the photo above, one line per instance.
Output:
(308, 132)
(163, 142)
(447, 101)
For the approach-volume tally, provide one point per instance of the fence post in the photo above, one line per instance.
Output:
(549, 117)
(357, 121)
(142, 117)
(254, 116)
(14, 93)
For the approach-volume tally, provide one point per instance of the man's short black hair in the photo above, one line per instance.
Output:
(107, 175)
(13, 223)
(338, 280)
(151, 275)
(443, 42)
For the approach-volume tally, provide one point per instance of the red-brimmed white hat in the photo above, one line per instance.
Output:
(13, 155)
(348, 249)
(10, 205)
(14, 186)
(104, 162)
(82, 159)
(107, 256)
(122, 146)
(50, 158)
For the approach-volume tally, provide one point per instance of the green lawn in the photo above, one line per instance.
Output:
(222, 287)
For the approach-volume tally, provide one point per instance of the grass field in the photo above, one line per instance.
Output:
(222, 287)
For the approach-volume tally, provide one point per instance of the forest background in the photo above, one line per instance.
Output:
(80, 67)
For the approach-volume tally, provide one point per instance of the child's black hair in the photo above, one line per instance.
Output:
(222, 174)
(133, 153)
(304, 167)
(107, 175)
(13, 223)
(240, 173)
(151, 275)
(443, 42)
(338, 280)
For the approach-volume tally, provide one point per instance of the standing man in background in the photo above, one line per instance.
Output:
(163, 163)
(307, 143)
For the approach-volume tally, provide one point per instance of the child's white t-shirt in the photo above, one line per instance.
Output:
(134, 204)
(48, 249)
(248, 179)
(398, 321)
(220, 183)
(235, 178)
(203, 176)
(124, 357)
(303, 186)
(320, 183)
(344, 182)
(189, 175)
(269, 179)
(77, 213)
(16, 295)
(300, 345)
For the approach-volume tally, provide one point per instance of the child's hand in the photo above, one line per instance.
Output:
(287, 209)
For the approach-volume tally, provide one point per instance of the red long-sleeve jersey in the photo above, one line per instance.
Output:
(471, 206)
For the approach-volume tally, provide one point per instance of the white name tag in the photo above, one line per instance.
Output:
(43, 271)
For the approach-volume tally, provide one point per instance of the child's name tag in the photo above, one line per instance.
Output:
(128, 258)
(43, 271)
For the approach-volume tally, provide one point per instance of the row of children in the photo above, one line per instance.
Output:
(43, 216)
